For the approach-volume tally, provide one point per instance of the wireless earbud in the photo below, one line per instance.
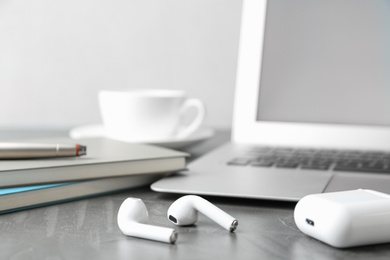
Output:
(184, 211)
(132, 219)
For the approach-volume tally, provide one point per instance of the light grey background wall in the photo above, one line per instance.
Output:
(56, 54)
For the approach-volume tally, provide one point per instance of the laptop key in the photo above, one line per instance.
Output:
(263, 163)
(239, 161)
(323, 167)
(286, 165)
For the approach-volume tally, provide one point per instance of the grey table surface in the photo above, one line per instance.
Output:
(87, 229)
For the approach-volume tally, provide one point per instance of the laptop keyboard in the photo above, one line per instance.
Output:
(315, 159)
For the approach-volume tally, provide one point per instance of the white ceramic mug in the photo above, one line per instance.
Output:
(148, 114)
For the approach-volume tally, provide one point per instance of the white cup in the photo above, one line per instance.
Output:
(148, 115)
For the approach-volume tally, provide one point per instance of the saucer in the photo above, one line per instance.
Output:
(95, 131)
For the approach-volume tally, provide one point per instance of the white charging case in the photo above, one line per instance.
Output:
(345, 219)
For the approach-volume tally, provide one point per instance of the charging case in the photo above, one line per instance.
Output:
(345, 219)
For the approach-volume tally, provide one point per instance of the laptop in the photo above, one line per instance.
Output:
(312, 104)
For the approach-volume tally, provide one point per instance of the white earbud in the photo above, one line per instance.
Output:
(184, 211)
(132, 219)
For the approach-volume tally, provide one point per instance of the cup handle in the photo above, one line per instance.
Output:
(198, 119)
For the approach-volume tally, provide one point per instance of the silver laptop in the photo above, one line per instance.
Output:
(312, 104)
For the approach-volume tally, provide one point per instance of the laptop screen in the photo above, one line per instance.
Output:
(326, 61)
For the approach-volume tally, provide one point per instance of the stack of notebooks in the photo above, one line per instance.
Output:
(109, 166)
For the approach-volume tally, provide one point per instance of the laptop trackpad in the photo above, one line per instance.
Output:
(352, 181)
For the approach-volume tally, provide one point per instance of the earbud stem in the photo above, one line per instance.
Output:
(218, 215)
(162, 234)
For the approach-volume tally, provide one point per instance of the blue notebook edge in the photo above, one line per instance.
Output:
(18, 189)
(93, 188)
(39, 205)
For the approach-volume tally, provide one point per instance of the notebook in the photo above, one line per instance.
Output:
(312, 104)
(105, 158)
(25, 197)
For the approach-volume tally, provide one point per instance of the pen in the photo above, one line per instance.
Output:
(38, 150)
